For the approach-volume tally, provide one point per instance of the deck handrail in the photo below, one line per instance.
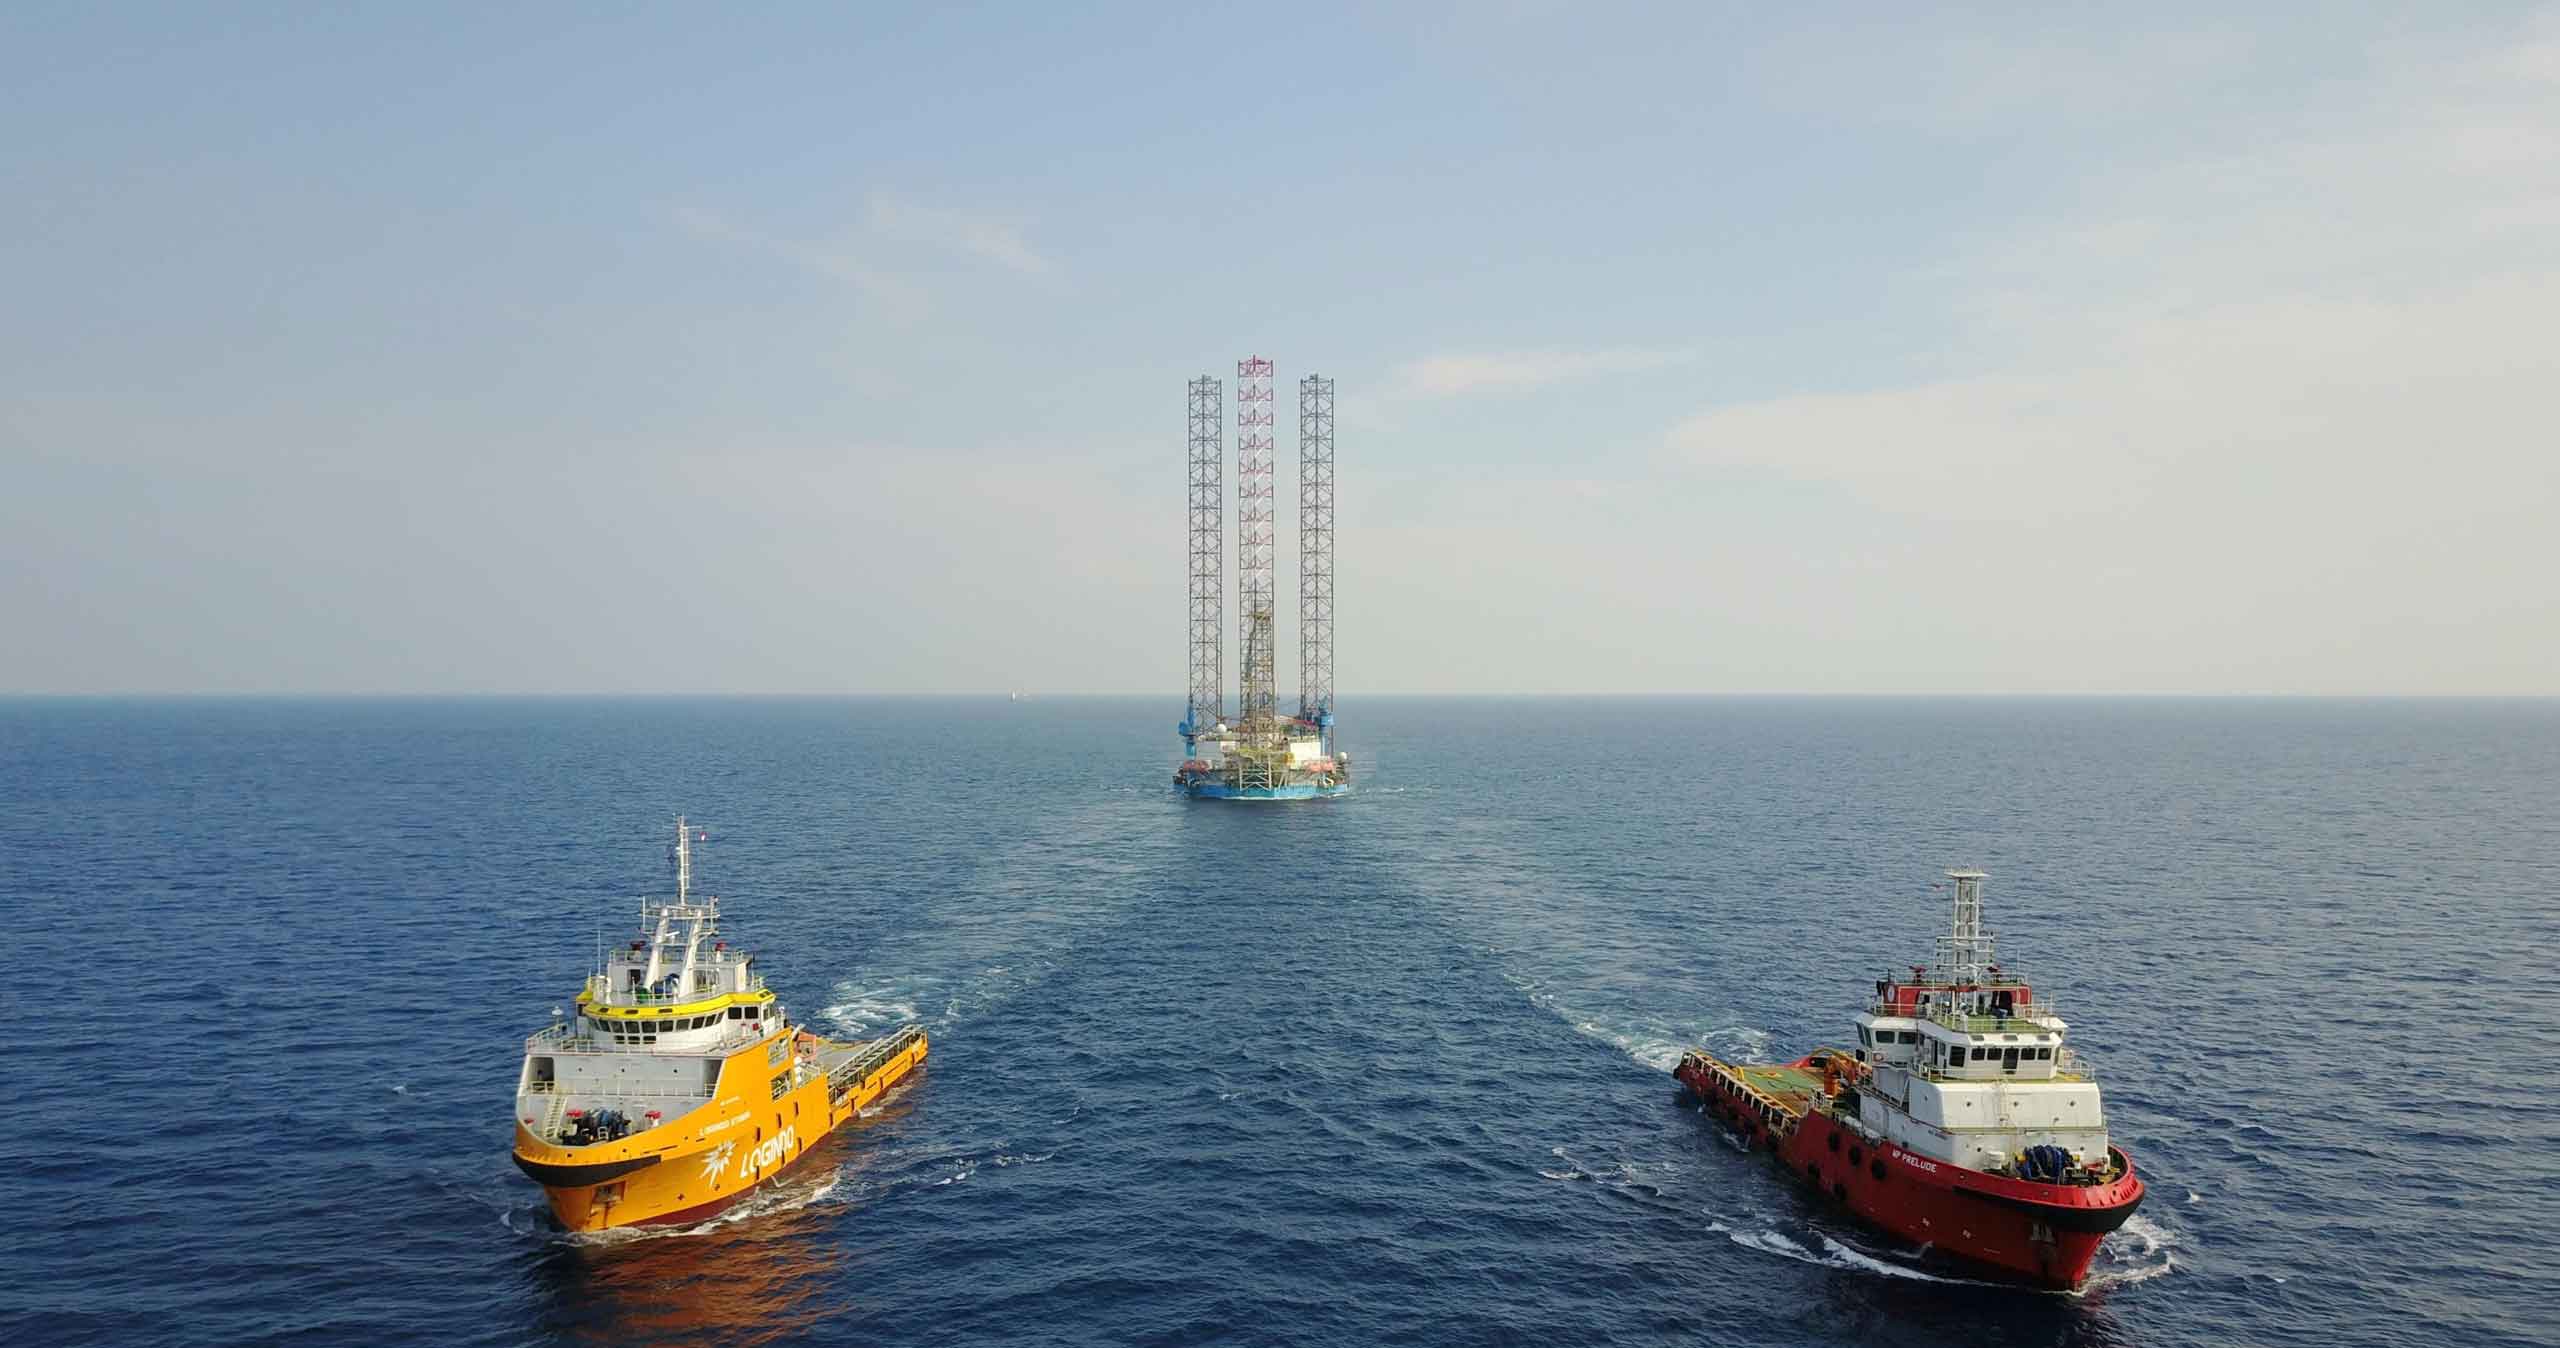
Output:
(2023, 1017)
(600, 992)
(849, 1073)
(608, 1097)
(569, 1037)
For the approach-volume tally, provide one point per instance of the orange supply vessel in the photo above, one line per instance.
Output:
(1960, 1122)
(680, 1084)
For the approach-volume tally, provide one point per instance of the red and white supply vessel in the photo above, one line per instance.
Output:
(1960, 1122)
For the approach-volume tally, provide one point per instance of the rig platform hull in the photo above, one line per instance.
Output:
(2044, 1235)
(1291, 791)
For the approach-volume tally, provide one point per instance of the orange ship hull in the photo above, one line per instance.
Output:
(771, 1109)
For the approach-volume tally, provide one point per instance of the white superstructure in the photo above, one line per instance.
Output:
(1966, 1067)
(655, 1021)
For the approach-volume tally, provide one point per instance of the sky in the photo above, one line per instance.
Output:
(1680, 348)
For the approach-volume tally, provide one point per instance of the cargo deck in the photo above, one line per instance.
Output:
(1781, 1094)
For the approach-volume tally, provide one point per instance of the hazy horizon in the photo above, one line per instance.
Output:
(1288, 700)
(2172, 352)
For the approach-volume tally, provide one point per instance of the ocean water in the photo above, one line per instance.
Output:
(1388, 1069)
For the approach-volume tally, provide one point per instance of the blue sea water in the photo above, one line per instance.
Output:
(1387, 1069)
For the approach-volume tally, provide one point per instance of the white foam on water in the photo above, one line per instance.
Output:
(861, 1011)
(1851, 1256)
(1771, 1242)
(1650, 1045)
(1831, 1254)
(1750, 1044)
(866, 1002)
(2153, 1237)
(1657, 1053)
(2125, 1277)
(2139, 1251)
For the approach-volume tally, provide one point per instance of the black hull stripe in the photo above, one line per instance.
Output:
(581, 1176)
(2058, 1216)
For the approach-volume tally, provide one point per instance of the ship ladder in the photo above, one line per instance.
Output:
(551, 1116)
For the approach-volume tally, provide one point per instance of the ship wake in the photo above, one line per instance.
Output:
(2138, 1251)
(865, 1006)
(1827, 1251)
(1648, 1041)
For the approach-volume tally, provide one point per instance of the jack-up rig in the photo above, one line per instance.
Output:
(1260, 754)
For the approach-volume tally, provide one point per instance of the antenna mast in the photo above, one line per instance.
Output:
(684, 863)
(1965, 952)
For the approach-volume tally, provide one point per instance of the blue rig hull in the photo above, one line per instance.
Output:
(1294, 791)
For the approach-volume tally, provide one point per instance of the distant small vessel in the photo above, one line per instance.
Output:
(1960, 1122)
(681, 1084)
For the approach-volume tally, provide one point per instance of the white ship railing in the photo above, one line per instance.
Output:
(2023, 1017)
(2065, 1064)
(846, 1075)
(569, 1038)
(600, 1098)
(601, 993)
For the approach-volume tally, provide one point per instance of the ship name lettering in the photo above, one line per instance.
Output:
(767, 1153)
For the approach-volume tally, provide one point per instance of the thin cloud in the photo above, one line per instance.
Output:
(835, 263)
(985, 237)
(2292, 326)
(1449, 375)
(2260, 417)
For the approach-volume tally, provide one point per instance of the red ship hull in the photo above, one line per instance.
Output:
(2043, 1234)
